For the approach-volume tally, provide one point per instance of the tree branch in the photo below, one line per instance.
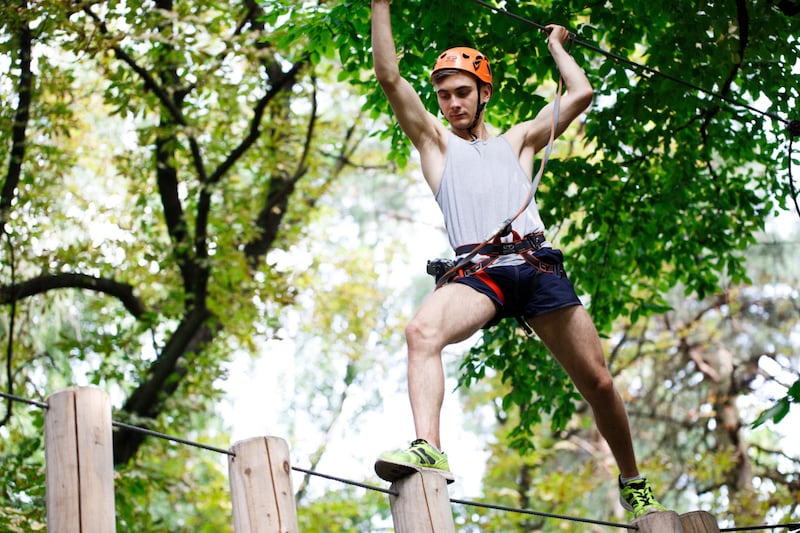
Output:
(162, 380)
(277, 200)
(21, 117)
(42, 284)
(167, 182)
(149, 82)
(12, 327)
(286, 80)
(743, 20)
(17, 156)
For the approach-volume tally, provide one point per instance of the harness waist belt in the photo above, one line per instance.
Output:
(532, 241)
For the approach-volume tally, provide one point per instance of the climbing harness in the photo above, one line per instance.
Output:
(525, 247)
(532, 241)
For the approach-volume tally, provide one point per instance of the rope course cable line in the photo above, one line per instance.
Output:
(790, 527)
(179, 440)
(20, 399)
(171, 438)
(123, 425)
(345, 481)
(194, 444)
(543, 514)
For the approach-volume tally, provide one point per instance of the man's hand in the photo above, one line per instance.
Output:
(557, 35)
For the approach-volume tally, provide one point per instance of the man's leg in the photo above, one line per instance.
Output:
(571, 337)
(449, 315)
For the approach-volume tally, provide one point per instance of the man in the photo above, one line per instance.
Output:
(478, 181)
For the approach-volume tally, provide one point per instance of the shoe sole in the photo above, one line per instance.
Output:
(392, 471)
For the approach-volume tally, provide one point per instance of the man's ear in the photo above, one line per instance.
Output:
(486, 93)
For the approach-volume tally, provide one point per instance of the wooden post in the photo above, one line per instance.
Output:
(422, 504)
(699, 522)
(261, 486)
(660, 522)
(79, 469)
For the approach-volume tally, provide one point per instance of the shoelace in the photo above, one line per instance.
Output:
(640, 495)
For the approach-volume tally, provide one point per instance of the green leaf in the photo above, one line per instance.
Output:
(776, 413)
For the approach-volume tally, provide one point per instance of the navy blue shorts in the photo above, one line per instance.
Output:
(526, 290)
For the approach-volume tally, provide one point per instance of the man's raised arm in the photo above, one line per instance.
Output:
(579, 93)
(575, 100)
(418, 124)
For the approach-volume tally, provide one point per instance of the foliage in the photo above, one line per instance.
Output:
(184, 490)
(778, 412)
(22, 506)
(723, 359)
(354, 511)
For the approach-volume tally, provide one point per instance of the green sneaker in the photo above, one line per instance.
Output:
(398, 464)
(637, 496)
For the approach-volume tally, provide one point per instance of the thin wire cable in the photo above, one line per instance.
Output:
(20, 399)
(794, 526)
(130, 427)
(792, 126)
(542, 514)
(639, 66)
(346, 481)
(164, 436)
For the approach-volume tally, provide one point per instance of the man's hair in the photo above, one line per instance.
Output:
(441, 74)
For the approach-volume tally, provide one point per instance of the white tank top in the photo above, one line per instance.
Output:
(482, 185)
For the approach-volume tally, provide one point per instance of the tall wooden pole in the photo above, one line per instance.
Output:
(422, 504)
(660, 522)
(79, 471)
(261, 486)
(699, 522)
(670, 522)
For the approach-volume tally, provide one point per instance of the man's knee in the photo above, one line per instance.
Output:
(598, 385)
(420, 333)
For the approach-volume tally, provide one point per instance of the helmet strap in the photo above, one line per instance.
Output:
(478, 111)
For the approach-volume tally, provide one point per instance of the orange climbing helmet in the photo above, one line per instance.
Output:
(466, 59)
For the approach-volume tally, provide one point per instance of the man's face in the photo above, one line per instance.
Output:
(458, 99)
